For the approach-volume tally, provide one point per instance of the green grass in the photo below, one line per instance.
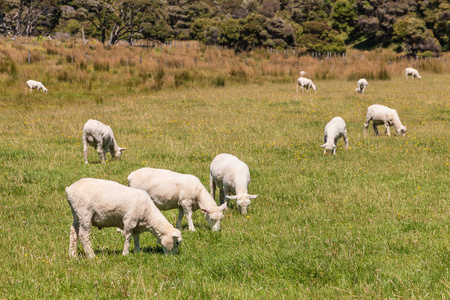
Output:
(370, 222)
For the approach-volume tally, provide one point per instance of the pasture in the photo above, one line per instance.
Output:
(369, 222)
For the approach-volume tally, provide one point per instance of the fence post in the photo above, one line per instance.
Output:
(71, 55)
(43, 59)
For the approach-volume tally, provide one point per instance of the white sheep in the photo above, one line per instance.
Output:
(33, 84)
(362, 84)
(305, 83)
(101, 137)
(302, 73)
(412, 72)
(380, 114)
(334, 130)
(104, 203)
(231, 176)
(171, 190)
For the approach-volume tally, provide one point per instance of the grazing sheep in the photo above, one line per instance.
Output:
(362, 84)
(334, 130)
(100, 136)
(380, 114)
(306, 83)
(171, 190)
(33, 84)
(231, 176)
(104, 203)
(412, 72)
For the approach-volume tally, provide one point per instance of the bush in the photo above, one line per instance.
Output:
(101, 65)
(218, 81)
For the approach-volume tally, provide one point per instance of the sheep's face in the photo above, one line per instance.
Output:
(171, 242)
(214, 216)
(45, 90)
(402, 131)
(314, 87)
(243, 203)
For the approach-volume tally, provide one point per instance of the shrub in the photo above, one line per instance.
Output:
(218, 81)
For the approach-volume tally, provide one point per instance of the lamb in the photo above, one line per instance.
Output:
(104, 203)
(412, 72)
(306, 83)
(362, 84)
(100, 136)
(334, 130)
(381, 114)
(231, 176)
(33, 84)
(171, 190)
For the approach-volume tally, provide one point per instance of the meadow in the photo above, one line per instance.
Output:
(369, 222)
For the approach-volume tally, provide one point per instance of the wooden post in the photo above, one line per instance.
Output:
(43, 59)
(82, 33)
(71, 55)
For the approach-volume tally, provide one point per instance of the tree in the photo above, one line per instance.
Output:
(344, 16)
(414, 35)
(100, 13)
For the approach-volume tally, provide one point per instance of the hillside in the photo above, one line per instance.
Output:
(408, 26)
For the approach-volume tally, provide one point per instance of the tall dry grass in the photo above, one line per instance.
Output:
(171, 66)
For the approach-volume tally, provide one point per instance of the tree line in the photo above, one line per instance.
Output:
(413, 27)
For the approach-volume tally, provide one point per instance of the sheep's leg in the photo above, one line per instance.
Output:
(83, 233)
(126, 247)
(101, 152)
(221, 196)
(188, 212)
(297, 87)
(74, 229)
(388, 131)
(180, 217)
(136, 243)
(375, 128)
(212, 187)
(85, 149)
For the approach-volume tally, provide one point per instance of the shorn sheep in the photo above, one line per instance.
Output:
(33, 84)
(171, 190)
(231, 176)
(305, 83)
(362, 84)
(101, 137)
(334, 130)
(380, 114)
(412, 72)
(104, 203)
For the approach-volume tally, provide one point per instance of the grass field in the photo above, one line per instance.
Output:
(370, 222)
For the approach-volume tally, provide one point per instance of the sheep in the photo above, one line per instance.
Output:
(306, 83)
(33, 84)
(334, 130)
(103, 203)
(380, 114)
(362, 84)
(412, 72)
(100, 136)
(302, 73)
(231, 176)
(171, 190)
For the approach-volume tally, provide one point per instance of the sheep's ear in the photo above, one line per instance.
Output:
(205, 210)
(253, 196)
(223, 206)
(176, 235)
(121, 149)
(323, 146)
(231, 197)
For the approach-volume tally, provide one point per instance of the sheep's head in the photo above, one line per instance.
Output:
(329, 147)
(419, 77)
(44, 89)
(171, 242)
(314, 87)
(402, 130)
(242, 201)
(214, 216)
(118, 153)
